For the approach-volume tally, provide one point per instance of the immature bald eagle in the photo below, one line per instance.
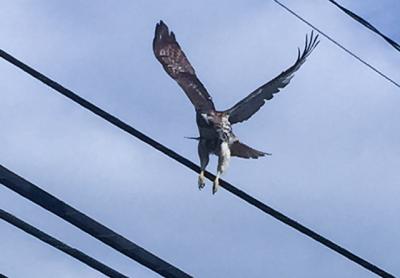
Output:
(216, 136)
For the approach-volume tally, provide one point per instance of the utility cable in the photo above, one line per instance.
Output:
(75, 253)
(361, 20)
(87, 224)
(339, 45)
(184, 161)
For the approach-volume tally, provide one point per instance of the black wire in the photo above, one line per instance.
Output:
(87, 224)
(367, 24)
(75, 253)
(239, 193)
(339, 45)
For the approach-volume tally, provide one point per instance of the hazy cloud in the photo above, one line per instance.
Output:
(333, 133)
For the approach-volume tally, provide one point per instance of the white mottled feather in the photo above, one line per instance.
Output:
(225, 155)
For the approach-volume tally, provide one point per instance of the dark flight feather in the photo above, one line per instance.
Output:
(245, 108)
(170, 55)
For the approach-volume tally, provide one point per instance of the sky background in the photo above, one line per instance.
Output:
(333, 132)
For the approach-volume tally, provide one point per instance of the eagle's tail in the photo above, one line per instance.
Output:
(242, 150)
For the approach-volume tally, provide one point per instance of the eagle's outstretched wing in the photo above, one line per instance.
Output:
(175, 63)
(245, 108)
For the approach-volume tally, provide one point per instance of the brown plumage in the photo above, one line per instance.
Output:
(216, 136)
(175, 63)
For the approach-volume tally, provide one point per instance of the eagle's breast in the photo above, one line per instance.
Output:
(215, 126)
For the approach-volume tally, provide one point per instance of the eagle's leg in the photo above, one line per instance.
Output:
(204, 159)
(216, 183)
(223, 162)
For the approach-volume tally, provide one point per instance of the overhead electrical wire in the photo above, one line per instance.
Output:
(75, 253)
(364, 22)
(87, 224)
(184, 161)
(339, 45)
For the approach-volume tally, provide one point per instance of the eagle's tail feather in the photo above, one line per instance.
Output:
(242, 150)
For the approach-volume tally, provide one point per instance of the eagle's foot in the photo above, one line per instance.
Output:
(215, 185)
(201, 181)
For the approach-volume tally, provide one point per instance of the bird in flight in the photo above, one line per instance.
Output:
(215, 127)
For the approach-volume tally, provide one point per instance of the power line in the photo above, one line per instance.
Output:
(339, 45)
(75, 253)
(361, 20)
(229, 187)
(87, 224)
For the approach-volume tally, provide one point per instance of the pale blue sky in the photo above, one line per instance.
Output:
(333, 133)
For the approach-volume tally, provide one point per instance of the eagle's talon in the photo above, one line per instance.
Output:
(201, 185)
(201, 181)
